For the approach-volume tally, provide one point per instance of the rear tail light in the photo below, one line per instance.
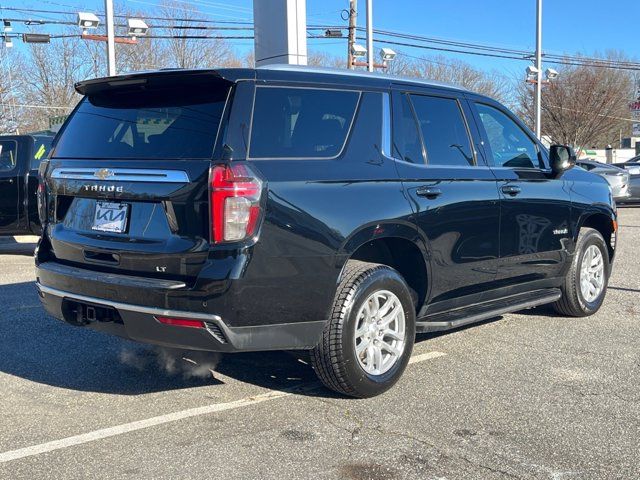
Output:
(181, 322)
(235, 202)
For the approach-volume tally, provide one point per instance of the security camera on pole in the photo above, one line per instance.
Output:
(89, 21)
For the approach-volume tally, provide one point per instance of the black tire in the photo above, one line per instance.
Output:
(334, 358)
(572, 303)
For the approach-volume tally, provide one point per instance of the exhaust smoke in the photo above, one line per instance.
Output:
(171, 361)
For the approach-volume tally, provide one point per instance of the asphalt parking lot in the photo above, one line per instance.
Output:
(527, 395)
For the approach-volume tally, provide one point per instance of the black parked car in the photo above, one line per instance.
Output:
(20, 157)
(298, 208)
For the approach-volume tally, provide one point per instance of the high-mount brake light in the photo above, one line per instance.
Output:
(235, 202)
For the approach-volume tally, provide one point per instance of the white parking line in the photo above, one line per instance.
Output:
(425, 356)
(168, 418)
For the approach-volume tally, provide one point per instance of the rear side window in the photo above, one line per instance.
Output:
(406, 138)
(301, 122)
(444, 130)
(178, 122)
(8, 155)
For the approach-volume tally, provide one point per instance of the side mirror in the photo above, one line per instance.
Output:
(562, 158)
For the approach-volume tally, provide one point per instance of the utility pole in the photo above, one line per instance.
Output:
(353, 12)
(370, 59)
(111, 45)
(538, 84)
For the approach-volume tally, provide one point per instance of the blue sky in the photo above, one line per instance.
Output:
(570, 26)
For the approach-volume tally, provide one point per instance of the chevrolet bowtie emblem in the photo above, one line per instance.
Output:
(104, 173)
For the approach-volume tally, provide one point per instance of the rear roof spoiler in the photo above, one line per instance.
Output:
(157, 77)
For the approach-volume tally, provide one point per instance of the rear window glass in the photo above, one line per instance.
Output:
(159, 123)
(8, 158)
(301, 122)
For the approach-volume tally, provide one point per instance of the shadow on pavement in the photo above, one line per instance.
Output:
(41, 349)
(9, 246)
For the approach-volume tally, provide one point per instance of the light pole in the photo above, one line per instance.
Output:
(111, 45)
(370, 59)
(538, 85)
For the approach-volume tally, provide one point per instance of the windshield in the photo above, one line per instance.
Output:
(174, 122)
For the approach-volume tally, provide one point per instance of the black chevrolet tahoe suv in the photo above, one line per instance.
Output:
(291, 208)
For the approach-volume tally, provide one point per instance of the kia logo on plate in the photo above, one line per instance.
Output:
(104, 173)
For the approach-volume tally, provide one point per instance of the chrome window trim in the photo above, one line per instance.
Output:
(121, 175)
(386, 124)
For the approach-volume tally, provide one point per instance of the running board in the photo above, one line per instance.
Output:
(476, 313)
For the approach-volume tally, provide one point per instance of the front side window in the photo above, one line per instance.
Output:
(8, 155)
(301, 122)
(510, 145)
(445, 134)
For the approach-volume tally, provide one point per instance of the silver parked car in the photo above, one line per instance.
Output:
(617, 177)
(632, 166)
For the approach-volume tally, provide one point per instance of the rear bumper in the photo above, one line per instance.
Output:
(139, 323)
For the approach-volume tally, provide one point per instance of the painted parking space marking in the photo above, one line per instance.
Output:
(425, 356)
(171, 417)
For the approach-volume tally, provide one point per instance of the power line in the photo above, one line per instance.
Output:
(67, 12)
(426, 43)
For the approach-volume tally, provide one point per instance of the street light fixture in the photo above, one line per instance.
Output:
(358, 50)
(137, 27)
(387, 54)
(87, 20)
(551, 74)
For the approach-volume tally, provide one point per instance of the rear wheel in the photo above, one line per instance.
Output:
(368, 340)
(585, 285)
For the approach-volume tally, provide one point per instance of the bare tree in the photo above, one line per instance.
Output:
(11, 66)
(53, 69)
(184, 52)
(49, 87)
(322, 59)
(442, 69)
(585, 106)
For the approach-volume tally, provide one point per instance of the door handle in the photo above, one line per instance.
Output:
(511, 190)
(428, 192)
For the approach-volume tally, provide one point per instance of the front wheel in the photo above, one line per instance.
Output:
(368, 340)
(586, 282)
